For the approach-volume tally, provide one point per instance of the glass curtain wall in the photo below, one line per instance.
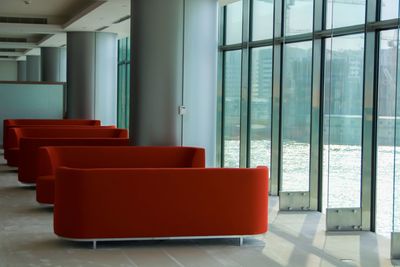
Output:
(124, 59)
(322, 97)
(386, 131)
(261, 106)
(231, 110)
(296, 116)
(343, 109)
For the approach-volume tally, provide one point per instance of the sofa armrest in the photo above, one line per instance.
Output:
(46, 162)
(199, 158)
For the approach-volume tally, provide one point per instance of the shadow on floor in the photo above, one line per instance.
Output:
(396, 263)
(16, 189)
(234, 242)
(37, 209)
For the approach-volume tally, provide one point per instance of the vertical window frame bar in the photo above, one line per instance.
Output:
(368, 166)
(275, 168)
(244, 94)
(316, 111)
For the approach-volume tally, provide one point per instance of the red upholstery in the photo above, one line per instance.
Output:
(138, 203)
(31, 139)
(11, 152)
(50, 158)
(40, 122)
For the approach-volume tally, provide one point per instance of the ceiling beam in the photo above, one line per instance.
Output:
(8, 59)
(11, 54)
(18, 45)
(22, 28)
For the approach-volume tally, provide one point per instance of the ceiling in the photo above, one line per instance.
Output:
(27, 25)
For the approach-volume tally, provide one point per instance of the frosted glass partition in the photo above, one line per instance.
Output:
(30, 100)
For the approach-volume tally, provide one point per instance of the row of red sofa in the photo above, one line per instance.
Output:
(18, 135)
(85, 157)
(31, 139)
(109, 190)
(12, 123)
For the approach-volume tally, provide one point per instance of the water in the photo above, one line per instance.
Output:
(341, 186)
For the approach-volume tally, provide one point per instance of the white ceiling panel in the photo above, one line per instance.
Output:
(52, 9)
(103, 16)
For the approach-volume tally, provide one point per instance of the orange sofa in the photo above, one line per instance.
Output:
(51, 158)
(160, 203)
(10, 123)
(11, 153)
(31, 139)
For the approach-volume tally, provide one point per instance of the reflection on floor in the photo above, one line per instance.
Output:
(294, 239)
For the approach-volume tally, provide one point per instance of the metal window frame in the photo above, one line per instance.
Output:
(276, 136)
(315, 189)
(220, 91)
(245, 86)
(368, 165)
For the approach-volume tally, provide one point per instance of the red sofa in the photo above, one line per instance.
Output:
(159, 203)
(10, 123)
(11, 152)
(51, 158)
(31, 139)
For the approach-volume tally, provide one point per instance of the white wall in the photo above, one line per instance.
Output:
(8, 70)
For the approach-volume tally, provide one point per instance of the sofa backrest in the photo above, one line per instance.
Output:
(10, 141)
(51, 158)
(16, 122)
(15, 134)
(159, 202)
(42, 122)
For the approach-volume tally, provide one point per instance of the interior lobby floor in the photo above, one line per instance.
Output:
(294, 239)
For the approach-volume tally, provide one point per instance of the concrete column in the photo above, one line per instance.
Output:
(174, 63)
(33, 69)
(54, 64)
(21, 70)
(92, 76)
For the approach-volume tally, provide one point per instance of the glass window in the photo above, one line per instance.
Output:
(296, 115)
(263, 16)
(261, 106)
(298, 16)
(233, 23)
(343, 107)
(231, 108)
(389, 9)
(123, 82)
(341, 13)
(386, 130)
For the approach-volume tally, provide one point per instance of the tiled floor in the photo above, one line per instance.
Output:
(294, 239)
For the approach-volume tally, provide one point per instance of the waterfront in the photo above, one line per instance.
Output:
(341, 184)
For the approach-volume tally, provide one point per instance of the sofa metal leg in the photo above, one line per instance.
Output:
(240, 241)
(94, 244)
